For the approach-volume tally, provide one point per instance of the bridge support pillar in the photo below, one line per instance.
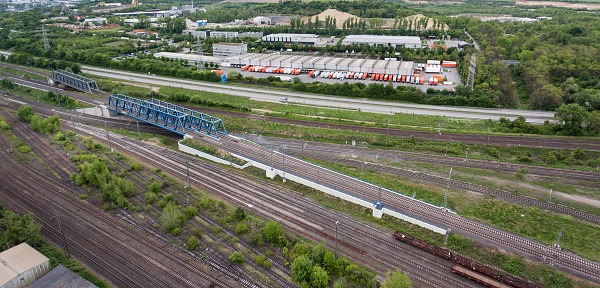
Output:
(271, 173)
(378, 210)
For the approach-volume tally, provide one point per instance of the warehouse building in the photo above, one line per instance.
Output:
(305, 39)
(22, 265)
(63, 278)
(395, 41)
(229, 49)
(226, 34)
(192, 58)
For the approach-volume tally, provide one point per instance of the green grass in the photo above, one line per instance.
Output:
(33, 94)
(19, 72)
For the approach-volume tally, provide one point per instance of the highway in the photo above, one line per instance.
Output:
(267, 95)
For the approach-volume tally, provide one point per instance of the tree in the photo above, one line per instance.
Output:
(318, 253)
(25, 113)
(7, 84)
(239, 213)
(237, 257)
(154, 188)
(274, 233)
(17, 229)
(301, 269)
(330, 263)
(171, 217)
(397, 280)
(319, 277)
(571, 116)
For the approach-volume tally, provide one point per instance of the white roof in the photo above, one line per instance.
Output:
(17, 260)
(397, 40)
(189, 57)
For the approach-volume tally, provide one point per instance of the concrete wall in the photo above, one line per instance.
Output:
(194, 151)
(98, 111)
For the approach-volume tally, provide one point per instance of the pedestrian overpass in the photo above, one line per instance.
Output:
(174, 118)
(73, 80)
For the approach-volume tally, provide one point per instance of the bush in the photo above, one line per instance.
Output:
(25, 113)
(45, 125)
(493, 152)
(240, 229)
(256, 238)
(274, 233)
(318, 253)
(176, 231)
(24, 149)
(154, 188)
(239, 213)
(151, 198)
(169, 197)
(319, 277)
(191, 212)
(136, 167)
(4, 126)
(192, 243)
(301, 269)
(267, 264)
(237, 257)
(260, 259)
(171, 217)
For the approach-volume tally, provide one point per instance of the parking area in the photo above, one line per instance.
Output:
(450, 74)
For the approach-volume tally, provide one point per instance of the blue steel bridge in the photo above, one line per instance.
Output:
(166, 115)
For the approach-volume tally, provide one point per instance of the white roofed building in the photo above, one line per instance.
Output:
(394, 41)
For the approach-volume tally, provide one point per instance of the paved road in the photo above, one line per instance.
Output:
(373, 106)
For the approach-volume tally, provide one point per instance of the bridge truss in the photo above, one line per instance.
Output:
(73, 80)
(166, 115)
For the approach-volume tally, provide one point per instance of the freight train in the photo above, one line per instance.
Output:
(475, 270)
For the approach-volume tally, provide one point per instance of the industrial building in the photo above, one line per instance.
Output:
(226, 34)
(63, 278)
(305, 39)
(351, 64)
(394, 41)
(229, 49)
(22, 265)
(192, 58)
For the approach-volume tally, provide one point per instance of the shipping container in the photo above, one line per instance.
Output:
(449, 64)
(316, 74)
(245, 68)
(218, 72)
(403, 78)
(364, 76)
(285, 78)
(373, 76)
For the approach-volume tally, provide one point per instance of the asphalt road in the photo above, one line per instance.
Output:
(267, 95)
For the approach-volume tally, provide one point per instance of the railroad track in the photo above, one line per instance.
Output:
(100, 215)
(526, 200)
(480, 138)
(403, 203)
(215, 183)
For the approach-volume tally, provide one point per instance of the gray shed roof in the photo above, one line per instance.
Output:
(61, 277)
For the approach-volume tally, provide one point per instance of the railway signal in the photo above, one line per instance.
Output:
(336, 239)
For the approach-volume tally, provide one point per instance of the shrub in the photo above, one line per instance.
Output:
(169, 197)
(237, 257)
(256, 238)
(493, 152)
(190, 212)
(136, 167)
(73, 176)
(150, 198)
(267, 264)
(301, 269)
(319, 277)
(45, 125)
(154, 188)
(83, 196)
(260, 259)
(274, 233)
(318, 252)
(25, 113)
(24, 149)
(192, 243)
(4, 126)
(171, 217)
(330, 263)
(240, 229)
(239, 213)
(176, 231)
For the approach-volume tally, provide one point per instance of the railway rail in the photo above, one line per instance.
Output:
(404, 203)
(271, 205)
(531, 141)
